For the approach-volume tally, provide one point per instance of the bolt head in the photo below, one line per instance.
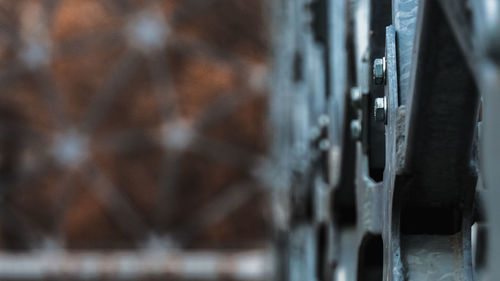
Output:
(380, 109)
(356, 129)
(379, 71)
(323, 120)
(356, 97)
(324, 145)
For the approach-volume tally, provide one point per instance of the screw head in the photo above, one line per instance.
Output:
(380, 109)
(379, 71)
(356, 97)
(356, 129)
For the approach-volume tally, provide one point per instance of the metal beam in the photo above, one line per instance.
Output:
(443, 102)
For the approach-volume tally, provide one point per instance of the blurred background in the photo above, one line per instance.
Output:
(133, 136)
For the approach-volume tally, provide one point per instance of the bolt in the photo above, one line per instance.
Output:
(356, 97)
(356, 129)
(323, 120)
(315, 132)
(324, 145)
(380, 109)
(379, 71)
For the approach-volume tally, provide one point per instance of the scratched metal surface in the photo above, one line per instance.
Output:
(404, 19)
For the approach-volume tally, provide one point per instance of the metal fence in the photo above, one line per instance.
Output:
(134, 126)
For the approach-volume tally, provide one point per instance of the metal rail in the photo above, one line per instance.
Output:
(137, 265)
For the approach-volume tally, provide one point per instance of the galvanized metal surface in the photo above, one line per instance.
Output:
(404, 18)
(414, 221)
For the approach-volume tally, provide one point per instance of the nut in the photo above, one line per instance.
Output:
(356, 129)
(324, 145)
(380, 109)
(355, 97)
(379, 71)
(323, 120)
